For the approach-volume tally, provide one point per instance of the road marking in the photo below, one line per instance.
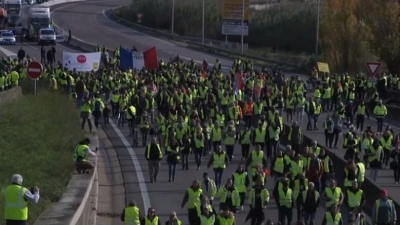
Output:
(136, 164)
(7, 52)
(30, 46)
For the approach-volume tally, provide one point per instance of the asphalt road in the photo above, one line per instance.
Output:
(87, 22)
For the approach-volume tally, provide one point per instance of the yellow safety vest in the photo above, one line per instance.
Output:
(194, 200)
(16, 207)
(81, 151)
(361, 172)
(256, 159)
(260, 135)
(245, 137)
(296, 167)
(285, 199)
(226, 221)
(361, 110)
(279, 165)
(148, 151)
(332, 221)
(347, 182)
(207, 220)
(354, 199)
(333, 195)
(216, 134)
(240, 181)
(219, 160)
(151, 222)
(264, 197)
(132, 216)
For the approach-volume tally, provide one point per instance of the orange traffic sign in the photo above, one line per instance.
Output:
(233, 10)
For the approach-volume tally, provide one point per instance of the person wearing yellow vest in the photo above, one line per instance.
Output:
(380, 112)
(192, 200)
(230, 140)
(278, 166)
(16, 198)
(361, 171)
(173, 219)
(386, 142)
(375, 158)
(219, 160)
(207, 217)
(131, 214)
(299, 184)
(361, 111)
(332, 195)
(82, 153)
(285, 202)
(151, 218)
(256, 158)
(354, 200)
(229, 196)
(226, 217)
(86, 111)
(384, 210)
(98, 106)
(309, 200)
(327, 168)
(333, 216)
(260, 135)
(245, 141)
(216, 135)
(274, 134)
(53, 83)
(241, 182)
(153, 155)
(258, 200)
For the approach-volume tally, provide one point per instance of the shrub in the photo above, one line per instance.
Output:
(287, 26)
(38, 137)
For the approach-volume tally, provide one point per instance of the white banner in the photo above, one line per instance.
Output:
(138, 60)
(82, 62)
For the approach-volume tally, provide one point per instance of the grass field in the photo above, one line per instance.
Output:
(37, 139)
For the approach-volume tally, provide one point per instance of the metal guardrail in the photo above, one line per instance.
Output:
(257, 60)
(211, 47)
(152, 31)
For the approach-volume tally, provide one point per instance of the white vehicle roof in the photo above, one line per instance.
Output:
(7, 33)
(40, 15)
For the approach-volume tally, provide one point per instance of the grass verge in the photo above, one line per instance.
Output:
(37, 140)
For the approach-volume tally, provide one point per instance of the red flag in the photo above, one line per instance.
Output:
(150, 58)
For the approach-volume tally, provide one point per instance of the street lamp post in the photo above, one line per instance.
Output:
(317, 30)
(202, 24)
(242, 34)
(173, 17)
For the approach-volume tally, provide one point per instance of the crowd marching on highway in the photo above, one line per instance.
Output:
(187, 110)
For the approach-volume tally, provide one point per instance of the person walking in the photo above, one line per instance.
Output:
(192, 200)
(131, 214)
(258, 200)
(153, 155)
(151, 218)
(384, 210)
(16, 201)
(310, 200)
(395, 164)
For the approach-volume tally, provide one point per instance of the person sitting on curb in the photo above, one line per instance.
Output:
(82, 152)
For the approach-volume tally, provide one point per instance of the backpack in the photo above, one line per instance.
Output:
(97, 106)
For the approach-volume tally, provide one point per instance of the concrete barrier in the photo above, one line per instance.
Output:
(10, 95)
(78, 204)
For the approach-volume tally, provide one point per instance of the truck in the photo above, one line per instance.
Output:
(35, 18)
(14, 11)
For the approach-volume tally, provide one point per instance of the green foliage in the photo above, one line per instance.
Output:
(37, 141)
(288, 27)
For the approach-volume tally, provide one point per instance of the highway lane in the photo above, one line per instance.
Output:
(33, 50)
(89, 24)
(167, 196)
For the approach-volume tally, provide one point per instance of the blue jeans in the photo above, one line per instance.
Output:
(218, 172)
(171, 170)
(309, 217)
(198, 154)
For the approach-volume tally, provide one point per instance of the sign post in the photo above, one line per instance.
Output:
(35, 69)
(373, 68)
(235, 17)
(139, 17)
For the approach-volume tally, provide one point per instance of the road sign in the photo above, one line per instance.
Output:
(232, 17)
(373, 68)
(35, 69)
(233, 10)
(234, 27)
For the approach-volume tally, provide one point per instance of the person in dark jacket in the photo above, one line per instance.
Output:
(172, 152)
(153, 155)
(309, 200)
(395, 164)
(295, 137)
